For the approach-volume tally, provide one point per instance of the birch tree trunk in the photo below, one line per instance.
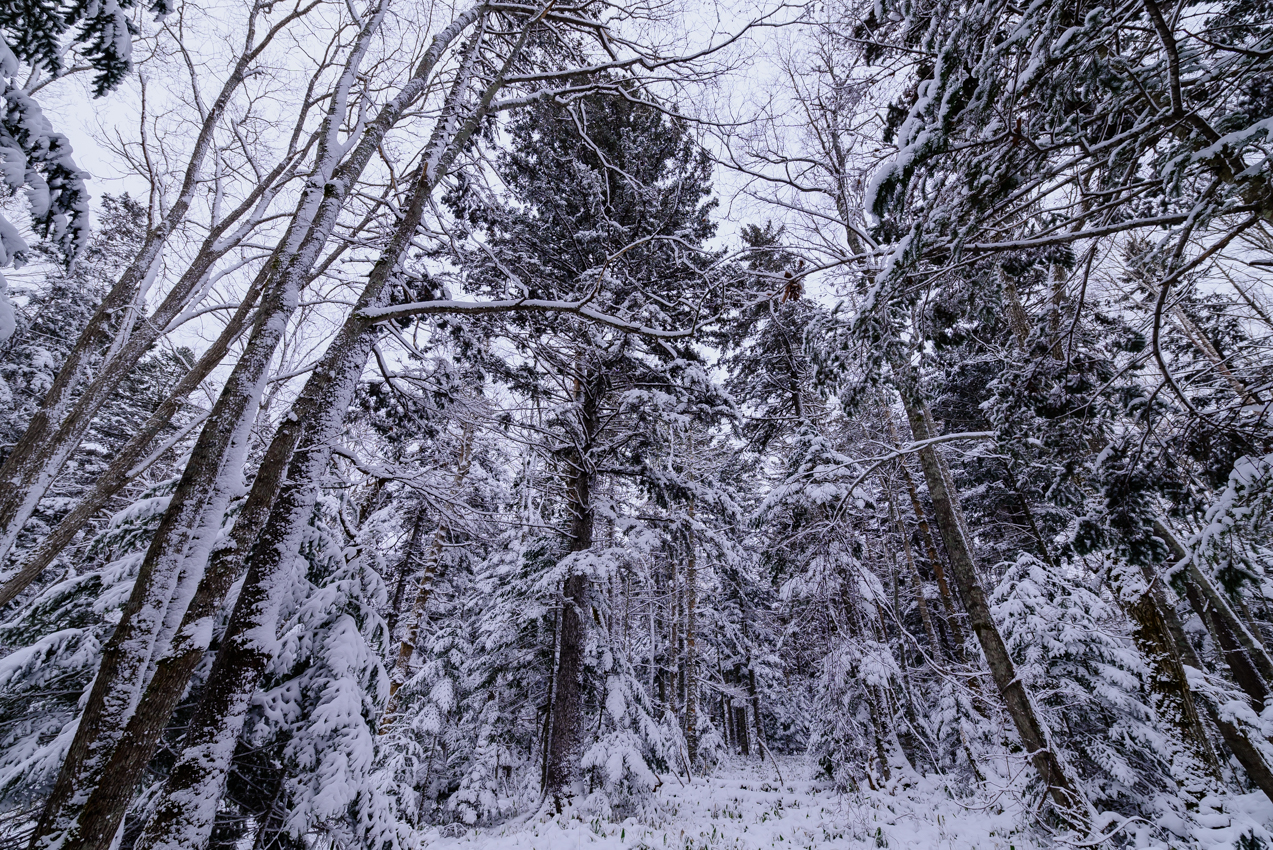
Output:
(114, 340)
(174, 564)
(186, 809)
(130, 461)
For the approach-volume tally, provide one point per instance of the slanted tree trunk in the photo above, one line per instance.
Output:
(175, 563)
(169, 571)
(930, 546)
(1242, 649)
(186, 810)
(1239, 662)
(1069, 802)
(1238, 647)
(130, 461)
(924, 614)
(311, 430)
(1235, 738)
(114, 340)
(1173, 698)
(1200, 341)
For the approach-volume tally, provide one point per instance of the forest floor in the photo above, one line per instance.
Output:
(743, 806)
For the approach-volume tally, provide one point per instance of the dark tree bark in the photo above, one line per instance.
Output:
(1235, 738)
(1247, 658)
(925, 616)
(432, 570)
(566, 728)
(1173, 697)
(740, 722)
(1065, 795)
(926, 535)
(408, 565)
(754, 692)
(691, 645)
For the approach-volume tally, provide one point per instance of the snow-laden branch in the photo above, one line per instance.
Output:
(516, 305)
(911, 448)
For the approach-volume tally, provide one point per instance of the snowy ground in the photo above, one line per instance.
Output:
(744, 807)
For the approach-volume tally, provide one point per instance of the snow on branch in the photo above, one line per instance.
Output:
(877, 462)
(528, 305)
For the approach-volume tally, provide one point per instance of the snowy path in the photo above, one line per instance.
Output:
(743, 807)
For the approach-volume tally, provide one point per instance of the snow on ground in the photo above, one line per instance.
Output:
(742, 806)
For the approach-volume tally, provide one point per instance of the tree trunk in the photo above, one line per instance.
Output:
(424, 587)
(407, 566)
(305, 439)
(1246, 752)
(316, 419)
(1169, 686)
(1239, 663)
(178, 553)
(755, 708)
(566, 737)
(726, 714)
(926, 535)
(1065, 795)
(1214, 609)
(877, 732)
(924, 614)
(130, 461)
(691, 646)
(186, 810)
(565, 741)
(170, 571)
(108, 350)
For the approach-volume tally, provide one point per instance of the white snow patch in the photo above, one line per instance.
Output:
(743, 806)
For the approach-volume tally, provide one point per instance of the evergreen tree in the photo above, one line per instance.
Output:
(611, 207)
(1074, 648)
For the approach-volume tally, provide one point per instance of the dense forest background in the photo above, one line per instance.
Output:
(456, 414)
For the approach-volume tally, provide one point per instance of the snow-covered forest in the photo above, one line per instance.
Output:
(645, 424)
